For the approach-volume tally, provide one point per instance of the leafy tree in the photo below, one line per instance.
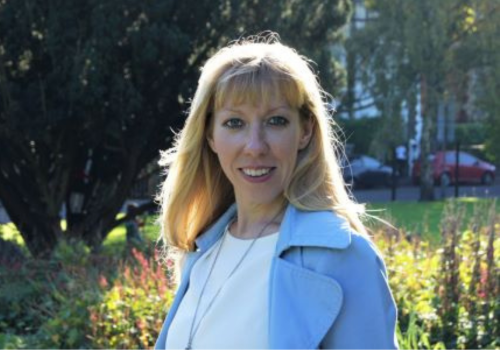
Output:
(90, 90)
(357, 132)
(417, 47)
(484, 51)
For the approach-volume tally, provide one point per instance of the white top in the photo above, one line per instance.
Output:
(238, 316)
(401, 152)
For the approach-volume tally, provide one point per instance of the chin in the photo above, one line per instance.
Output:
(266, 198)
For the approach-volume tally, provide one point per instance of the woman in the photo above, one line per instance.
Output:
(275, 253)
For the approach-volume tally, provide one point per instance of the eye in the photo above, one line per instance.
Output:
(278, 121)
(233, 123)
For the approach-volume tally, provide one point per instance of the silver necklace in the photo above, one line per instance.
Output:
(193, 329)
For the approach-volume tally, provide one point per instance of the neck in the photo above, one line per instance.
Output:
(258, 220)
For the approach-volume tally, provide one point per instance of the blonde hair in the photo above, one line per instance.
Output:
(196, 191)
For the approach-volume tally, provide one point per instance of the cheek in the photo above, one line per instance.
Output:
(219, 141)
(286, 144)
(224, 148)
(286, 150)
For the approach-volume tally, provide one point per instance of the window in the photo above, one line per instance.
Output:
(467, 159)
(371, 162)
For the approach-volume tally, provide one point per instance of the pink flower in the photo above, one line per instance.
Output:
(103, 282)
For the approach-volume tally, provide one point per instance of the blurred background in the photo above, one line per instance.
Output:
(91, 91)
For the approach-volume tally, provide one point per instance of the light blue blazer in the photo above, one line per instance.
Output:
(328, 285)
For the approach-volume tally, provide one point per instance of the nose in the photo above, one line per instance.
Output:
(256, 143)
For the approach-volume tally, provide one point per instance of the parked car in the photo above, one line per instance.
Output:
(470, 169)
(365, 171)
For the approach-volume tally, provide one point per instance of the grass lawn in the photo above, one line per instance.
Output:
(114, 242)
(117, 238)
(424, 218)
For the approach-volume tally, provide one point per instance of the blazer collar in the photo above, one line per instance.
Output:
(313, 229)
(298, 228)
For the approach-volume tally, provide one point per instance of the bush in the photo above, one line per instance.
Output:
(471, 133)
(46, 301)
(77, 300)
(447, 297)
(129, 316)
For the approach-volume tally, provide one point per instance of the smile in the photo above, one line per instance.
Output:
(256, 172)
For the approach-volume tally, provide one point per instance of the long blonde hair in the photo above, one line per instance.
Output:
(196, 191)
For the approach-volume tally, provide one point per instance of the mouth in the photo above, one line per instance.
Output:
(256, 172)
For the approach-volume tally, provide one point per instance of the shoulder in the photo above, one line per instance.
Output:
(324, 229)
(313, 229)
(326, 243)
(358, 258)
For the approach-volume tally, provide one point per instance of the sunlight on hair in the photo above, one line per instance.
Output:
(252, 70)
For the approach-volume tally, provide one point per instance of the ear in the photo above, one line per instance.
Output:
(209, 132)
(306, 133)
(211, 143)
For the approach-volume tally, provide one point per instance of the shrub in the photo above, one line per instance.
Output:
(79, 300)
(131, 312)
(47, 300)
(447, 296)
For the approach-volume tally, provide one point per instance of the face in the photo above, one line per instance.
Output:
(257, 147)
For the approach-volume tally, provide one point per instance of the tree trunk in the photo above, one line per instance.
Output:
(350, 96)
(100, 200)
(40, 230)
(34, 189)
(412, 113)
(429, 111)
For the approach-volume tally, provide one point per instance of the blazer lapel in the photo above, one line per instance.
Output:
(304, 305)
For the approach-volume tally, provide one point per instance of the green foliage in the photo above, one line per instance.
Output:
(80, 300)
(48, 300)
(446, 290)
(471, 133)
(359, 132)
(131, 312)
(415, 336)
(91, 90)
(446, 52)
(447, 295)
(484, 51)
(72, 252)
(12, 341)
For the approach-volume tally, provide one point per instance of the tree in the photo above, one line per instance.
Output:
(484, 50)
(414, 47)
(91, 90)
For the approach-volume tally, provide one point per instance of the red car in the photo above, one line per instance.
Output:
(470, 169)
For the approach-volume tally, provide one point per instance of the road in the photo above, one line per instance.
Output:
(412, 193)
